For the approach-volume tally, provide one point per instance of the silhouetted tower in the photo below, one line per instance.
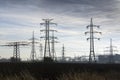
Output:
(16, 52)
(47, 50)
(91, 32)
(63, 52)
(16, 49)
(53, 41)
(33, 52)
(41, 50)
(111, 51)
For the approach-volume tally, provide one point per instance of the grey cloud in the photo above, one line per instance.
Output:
(70, 6)
(73, 8)
(76, 5)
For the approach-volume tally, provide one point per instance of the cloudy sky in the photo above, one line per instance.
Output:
(18, 18)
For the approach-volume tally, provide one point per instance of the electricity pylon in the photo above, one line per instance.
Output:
(41, 50)
(16, 49)
(63, 52)
(47, 50)
(111, 52)
(53, 41)
(91, 38)
(111, 59)
(33, 55)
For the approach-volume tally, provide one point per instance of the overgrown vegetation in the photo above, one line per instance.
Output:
(21, 76)
(69, 76)
(71, 71)
(91, 76)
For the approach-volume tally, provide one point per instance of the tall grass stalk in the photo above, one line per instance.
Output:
(21, 76)
(90, 76)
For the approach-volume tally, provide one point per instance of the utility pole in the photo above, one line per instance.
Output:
(33, 52)
(91, 38)
(47, 50)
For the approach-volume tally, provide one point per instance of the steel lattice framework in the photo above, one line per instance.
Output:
(111, 50)
(47, 49)
(16, 49)
(33, 55)
(91, 38)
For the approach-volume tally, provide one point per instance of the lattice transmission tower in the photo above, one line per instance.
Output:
(47, 49)
(111, 50)
(41, 50)
(91, 38)
(33, 55)
(63, 52)
(53, 41)
(16, 49)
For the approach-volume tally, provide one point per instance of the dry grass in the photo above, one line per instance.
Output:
(21, 76)
(69, 76)
(90, 76)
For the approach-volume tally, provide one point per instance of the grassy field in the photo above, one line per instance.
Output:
(59, 71)
(68, 76)
(90, 76)
(21, 76)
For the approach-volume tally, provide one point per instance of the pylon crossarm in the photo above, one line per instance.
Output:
(53, 37)
(87, 32)
(97, 38)
(97, 32)
(96, 26)
(53, 30)
(42, 23)
(47, 19)
(53, 23)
